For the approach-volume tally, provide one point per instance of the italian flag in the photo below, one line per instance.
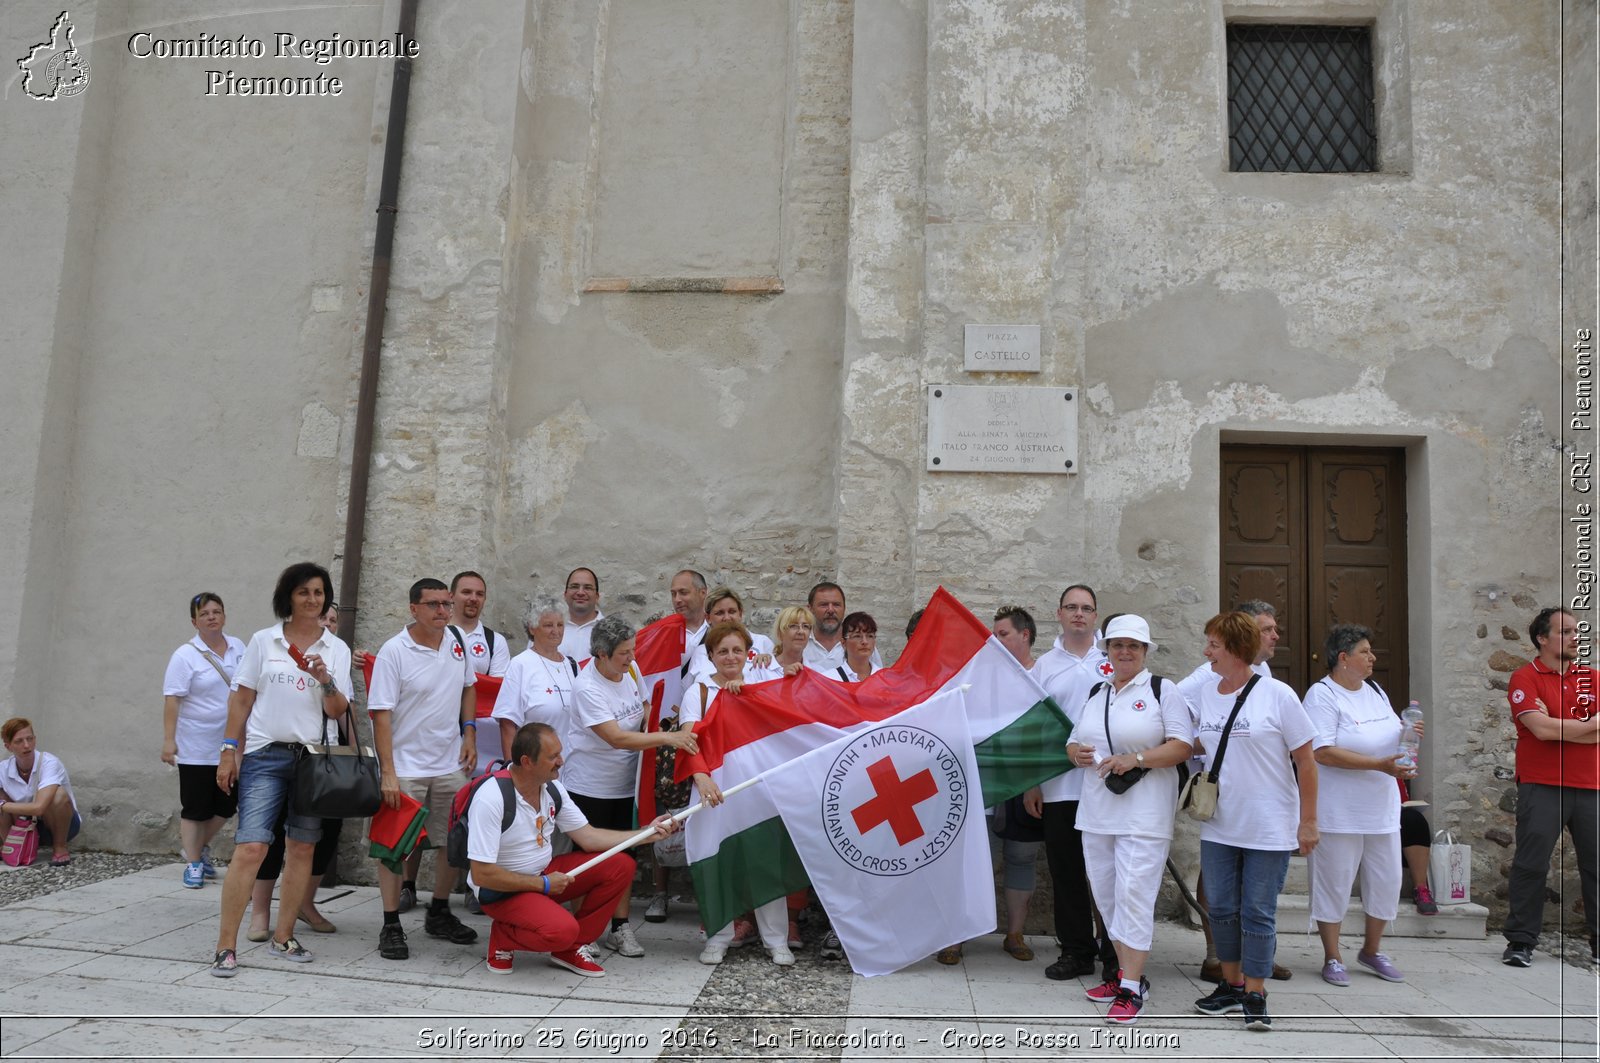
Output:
(658, 656)
(739, 852)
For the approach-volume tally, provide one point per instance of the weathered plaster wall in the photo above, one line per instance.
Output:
(648, 431)
(206, 295)
(1076, 176)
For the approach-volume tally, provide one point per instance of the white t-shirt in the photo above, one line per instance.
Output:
(828, 662)
(575, 640)
(701, 669)
(595, 768)
(202, 697)
(486, 660)
(421, 690)
(1138, 722)
(537, 690)
(525, 845)
(1067, 677)
(1352, 801)
(47, 771)
(1258, 801)
(288, 706)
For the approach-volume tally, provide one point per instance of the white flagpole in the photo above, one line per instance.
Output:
(650, 831)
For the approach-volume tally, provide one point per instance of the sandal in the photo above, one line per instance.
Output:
(950, 955)
(257, 935)
(1017, 947)
(61, 861)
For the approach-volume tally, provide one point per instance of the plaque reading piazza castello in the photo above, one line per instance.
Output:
(972, 428)
(1002, 349)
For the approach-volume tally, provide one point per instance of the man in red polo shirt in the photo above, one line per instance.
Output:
(1558, 778)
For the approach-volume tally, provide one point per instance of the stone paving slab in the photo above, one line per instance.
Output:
(118, 969)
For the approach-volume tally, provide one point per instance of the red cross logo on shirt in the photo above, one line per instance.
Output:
(1105, 668)
(896, 801)
(478, 649)
(456, 649)
(1138, 706)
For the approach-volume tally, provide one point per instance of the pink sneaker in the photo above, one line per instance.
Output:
(499, 961)
(1107, 991)
(1125, 1009)
(576, 962)
(744, 933)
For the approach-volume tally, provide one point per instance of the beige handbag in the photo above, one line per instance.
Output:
(1199, 796)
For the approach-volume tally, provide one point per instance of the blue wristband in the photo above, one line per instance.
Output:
(231, 743)
(546, 884)
(464, 725)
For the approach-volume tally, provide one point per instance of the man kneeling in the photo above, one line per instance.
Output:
(519, 884)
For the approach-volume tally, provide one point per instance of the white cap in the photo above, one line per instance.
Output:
(1129, 626)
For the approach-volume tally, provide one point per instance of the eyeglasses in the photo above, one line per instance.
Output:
(436, 605)
(864, 636)
(1077, 608)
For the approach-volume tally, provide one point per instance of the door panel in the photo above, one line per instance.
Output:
(1320, 533)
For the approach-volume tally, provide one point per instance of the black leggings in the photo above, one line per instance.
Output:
(321, 856)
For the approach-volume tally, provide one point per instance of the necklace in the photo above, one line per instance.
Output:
(555, 677)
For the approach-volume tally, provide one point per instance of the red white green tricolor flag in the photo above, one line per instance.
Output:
(741, 854)
(658, 654)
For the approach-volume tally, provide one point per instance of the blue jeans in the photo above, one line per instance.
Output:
(266, 778)
(1242, 887)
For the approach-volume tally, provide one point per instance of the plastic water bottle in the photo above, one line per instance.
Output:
(1410, 741)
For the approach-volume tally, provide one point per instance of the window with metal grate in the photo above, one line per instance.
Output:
(1300, 99)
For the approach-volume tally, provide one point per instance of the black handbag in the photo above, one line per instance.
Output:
(1119, 784)
(337, 781)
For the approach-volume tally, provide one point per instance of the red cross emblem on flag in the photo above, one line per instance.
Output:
(896, 801)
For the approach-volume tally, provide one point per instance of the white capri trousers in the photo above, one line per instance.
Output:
(1125, 876)
(772, 920)
(1334, 864)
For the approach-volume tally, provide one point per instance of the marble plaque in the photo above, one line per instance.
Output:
(972, 428)
(1002, 349)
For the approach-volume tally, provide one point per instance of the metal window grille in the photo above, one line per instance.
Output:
(1300, 99)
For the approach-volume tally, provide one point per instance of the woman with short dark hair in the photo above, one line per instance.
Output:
(293, 679)
(860, 633)
(194, 714)
(1358, 803)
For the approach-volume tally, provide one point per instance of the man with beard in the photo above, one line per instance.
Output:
(1558, 778)
(825, 651)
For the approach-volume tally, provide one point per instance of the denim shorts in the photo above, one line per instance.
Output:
(266, 779)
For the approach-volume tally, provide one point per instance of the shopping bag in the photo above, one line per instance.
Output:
(1450, 869)
(22, 842)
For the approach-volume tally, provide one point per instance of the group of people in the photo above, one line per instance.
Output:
(1319, 775)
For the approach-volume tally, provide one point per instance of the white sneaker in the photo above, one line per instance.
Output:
(712, 954)
(622, 942)
(657, 911)
(782, 956)
(590, 953)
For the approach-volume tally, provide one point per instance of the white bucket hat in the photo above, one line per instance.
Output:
(1129, 626)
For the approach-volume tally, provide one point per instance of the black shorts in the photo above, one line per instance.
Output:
(199, 795)
(1413, 827)
(608, 813)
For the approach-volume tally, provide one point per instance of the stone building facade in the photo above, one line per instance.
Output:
(670, 283)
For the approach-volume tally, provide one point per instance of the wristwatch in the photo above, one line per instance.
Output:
(1139, 758)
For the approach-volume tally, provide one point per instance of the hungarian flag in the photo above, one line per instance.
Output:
(658, 657)
(889, 823)
(739, 852)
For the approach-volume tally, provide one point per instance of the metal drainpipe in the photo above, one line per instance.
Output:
(355, 522)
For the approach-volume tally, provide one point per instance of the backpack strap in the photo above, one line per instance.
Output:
(1155, 685)
(555, 795)
(508, 798)
(488, 636)
(1095, 689)
(572, 663)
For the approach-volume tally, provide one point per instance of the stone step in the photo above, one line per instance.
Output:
(1453, 921)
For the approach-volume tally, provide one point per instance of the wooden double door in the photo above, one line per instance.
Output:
(1320, 532)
